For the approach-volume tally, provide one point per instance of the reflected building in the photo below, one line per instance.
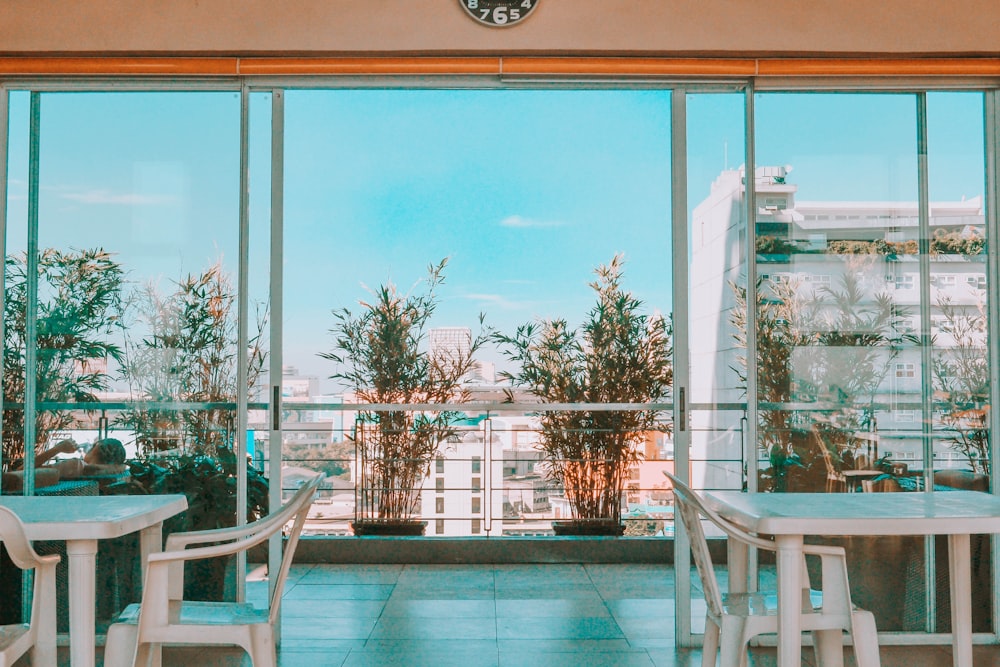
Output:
(870, 324)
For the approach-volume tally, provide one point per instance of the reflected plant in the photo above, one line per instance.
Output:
(833, 347)
(967, 241)
(189, 354)
(960, 373)
(78, 306)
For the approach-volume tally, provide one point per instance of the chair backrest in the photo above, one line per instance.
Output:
(16, 541)
(820, 441)
(227, 541)
(691, 508)
(688, 511)
(297, 509)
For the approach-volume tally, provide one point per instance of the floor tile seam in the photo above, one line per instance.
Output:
(607, 607)
(496, 615)
(381, 613)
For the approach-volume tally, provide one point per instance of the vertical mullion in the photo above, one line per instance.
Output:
(750, 212)
(277, 317)
(991, 109)
(242, 309)
(680, 273)
(31, 296)
(4, 147)
(926, 342)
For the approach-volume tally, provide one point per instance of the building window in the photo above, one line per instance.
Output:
(477, 526)
(476, 465)
(906, 370)
(439, 484)
(976, 282)
(477, 505)
(439, 505)
(439, 526)
(906, 416)
(905, 281)
(439, 465)
(476, 485)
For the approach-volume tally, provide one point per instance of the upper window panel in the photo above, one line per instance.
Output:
(134, 200)
(525, 193)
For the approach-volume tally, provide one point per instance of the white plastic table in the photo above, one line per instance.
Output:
(791, 516)
(81, 522)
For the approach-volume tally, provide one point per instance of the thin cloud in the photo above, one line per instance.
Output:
(525, 223)
(122, 199)
(495, 299)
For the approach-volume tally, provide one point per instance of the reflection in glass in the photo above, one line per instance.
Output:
(136, 201)
(834, 331)
(717, 252)
(871, 314)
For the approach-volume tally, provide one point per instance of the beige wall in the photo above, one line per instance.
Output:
(580, 27)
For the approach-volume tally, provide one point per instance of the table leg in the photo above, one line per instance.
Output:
(738, 561)
(961, 599)
(82, 560)
(789, 558)
(150, 542)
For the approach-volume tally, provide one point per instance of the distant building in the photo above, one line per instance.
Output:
(464, 487)
(453, 342)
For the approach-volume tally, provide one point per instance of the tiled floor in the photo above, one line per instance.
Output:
(493, 615)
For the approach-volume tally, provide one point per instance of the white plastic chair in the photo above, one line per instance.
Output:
(732, 620)
(164, 617)
(39, 634)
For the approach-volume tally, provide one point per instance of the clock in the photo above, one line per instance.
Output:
(498, 13)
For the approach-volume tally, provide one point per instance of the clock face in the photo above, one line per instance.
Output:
(498, 13)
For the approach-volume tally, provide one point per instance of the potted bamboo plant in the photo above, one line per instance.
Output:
(382, 355)
(618, 355)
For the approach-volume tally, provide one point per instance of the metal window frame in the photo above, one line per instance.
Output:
(749, 87)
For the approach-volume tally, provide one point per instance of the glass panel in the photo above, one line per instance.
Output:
(137, 198)
(259, 282)
(957, 310)
(836, 247)
(867, 307)
(525, 193)
(717, 268)
(838, 306)
(717, 264)
(16, 237)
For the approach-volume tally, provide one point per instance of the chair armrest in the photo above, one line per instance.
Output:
(179, 541)
(223, 547)
(822, 550)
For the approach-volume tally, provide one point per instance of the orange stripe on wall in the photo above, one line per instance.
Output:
(623, 67)
(880, 67)
(368, 66)
(629, 67)
(74, 66)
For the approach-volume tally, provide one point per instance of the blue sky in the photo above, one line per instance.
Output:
(525, 191)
